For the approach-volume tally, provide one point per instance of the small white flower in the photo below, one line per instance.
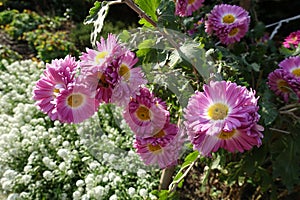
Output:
(71, 173)
(62, 166)
(80, 183)
(27, 168)
(143, 192)
(141, 173)
(113, 197)
(66, 144)
(26, 179)
(48, 175)
(131, 191)
(63, 153)
(76, 195)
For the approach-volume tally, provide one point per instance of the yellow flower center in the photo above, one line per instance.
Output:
(75, 100)
(191, 1)
(124, 72)
(160, 134)
(296, 72)
(101, 80)
(283, 86)
(228, 19)
(225, 135)
(153, 148)
(100, 56)
(217, 111)
(143, 113)
(233, 32)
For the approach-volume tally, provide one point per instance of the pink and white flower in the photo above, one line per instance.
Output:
(146, 114)
(57, 75)
(228, 22)
(76, 104)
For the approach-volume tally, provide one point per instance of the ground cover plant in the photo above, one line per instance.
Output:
(202, 94)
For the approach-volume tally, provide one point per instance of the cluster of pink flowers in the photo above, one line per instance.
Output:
(106, 75)
(228, 22)
(285, 80)
(225, 116)
(157, 140)
(71, 91)
(293, 40)
(187, 7)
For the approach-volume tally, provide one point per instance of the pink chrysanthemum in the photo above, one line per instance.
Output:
(291, 65)
(97, 60)
(56, 77)
(232, 141)
(165, 155)
(162, 137)
(223, 109)
(130, 80)
(223, 106)
(278, 82)
(75, 104)
(187, 7)
(292, 40)
(228, 22)
(146, 114)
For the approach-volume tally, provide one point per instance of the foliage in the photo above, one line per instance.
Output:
(8, 56)
(50, 45)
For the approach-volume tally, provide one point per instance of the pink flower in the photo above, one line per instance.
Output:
(163, 154)
(223, 107)
(146, 114)
(56, 77)
(187, 7)
(97, 60)
(278, 82)
(130, 80)
(75, 104)
(292, 40)
(232, 141)
(228, 22)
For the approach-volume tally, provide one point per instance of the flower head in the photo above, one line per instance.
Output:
(187, 7)
(223, 107)
(130, 80)
(234, 140)
(228, 22)
(146, 114)
(292, 40)
(97, 60)
(57, 75)
(75, 104)
(164, 155)
(278, 82)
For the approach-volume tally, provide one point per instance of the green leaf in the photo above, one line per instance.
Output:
(286, 165)
(166, 17)
(93, 13)
(269, 110)
(149, 7)
(190, 158)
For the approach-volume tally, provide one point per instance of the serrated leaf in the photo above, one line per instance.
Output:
(93, 13)
(194, 54)
(149, 7)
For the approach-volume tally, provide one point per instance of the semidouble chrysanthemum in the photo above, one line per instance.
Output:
(129, 79)
(228, 22)
(146, 114)
(57, 75)
(97, 60)
(75, 104)
(293, 40)
(223, 108)
(155, 152)
(187, 7)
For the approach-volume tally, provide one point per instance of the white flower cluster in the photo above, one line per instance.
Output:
(41, 159)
